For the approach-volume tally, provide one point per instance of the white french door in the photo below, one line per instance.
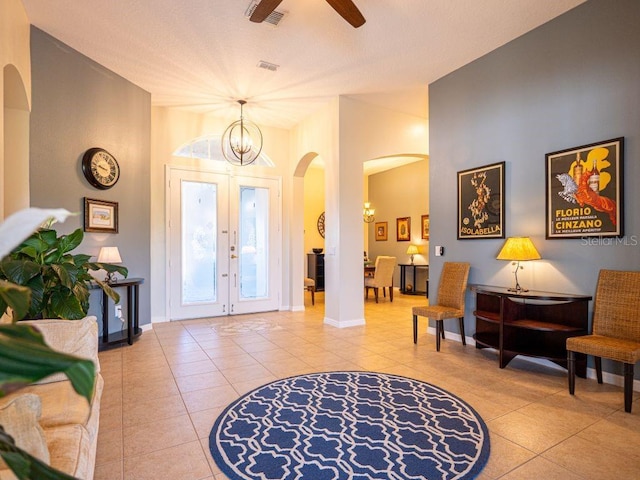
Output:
(224, 244)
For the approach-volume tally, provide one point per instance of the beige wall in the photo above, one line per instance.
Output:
(313, 207)
(15, 101)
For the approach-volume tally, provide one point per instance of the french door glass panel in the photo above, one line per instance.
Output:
(254, 243)
(199, 227)
(224, 244)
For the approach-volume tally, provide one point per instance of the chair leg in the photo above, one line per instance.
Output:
(438, 334)
(391, 293)
(628, 386)
(366, 293)
(375, 292)
(571, 366)
(464, 340)
(313, 295)
(415, 329)
(598, 361)
(384, 292)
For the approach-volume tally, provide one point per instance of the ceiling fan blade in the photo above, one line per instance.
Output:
(348, 10)
(263, 10)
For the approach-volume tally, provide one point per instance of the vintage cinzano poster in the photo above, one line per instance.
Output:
(584, 191)
(481, 202)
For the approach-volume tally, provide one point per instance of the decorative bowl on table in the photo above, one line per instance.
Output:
(316, 250)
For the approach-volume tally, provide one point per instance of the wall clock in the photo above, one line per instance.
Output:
(321, 224)
(100, 168)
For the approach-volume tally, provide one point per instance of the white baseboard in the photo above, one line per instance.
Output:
(609, 378)
(344, 324)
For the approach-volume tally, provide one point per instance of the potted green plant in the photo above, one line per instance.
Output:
(24, 355)
(58, 280)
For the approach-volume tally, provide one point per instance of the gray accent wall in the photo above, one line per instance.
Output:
(79, 104)
(570, 82)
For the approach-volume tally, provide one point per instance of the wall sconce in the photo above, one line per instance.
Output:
(241, 141)
(109, 255)
(367, 213)
(518, 249)
(412, 250)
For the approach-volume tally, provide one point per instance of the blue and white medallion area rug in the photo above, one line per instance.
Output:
(346, 426)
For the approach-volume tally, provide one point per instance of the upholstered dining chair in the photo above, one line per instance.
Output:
(310, 285)
(615, 328)
(382, 277)
(450, 301)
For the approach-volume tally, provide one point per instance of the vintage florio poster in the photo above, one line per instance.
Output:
(584, 191)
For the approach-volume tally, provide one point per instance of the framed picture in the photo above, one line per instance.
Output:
(381, 231)
(584, 195)
(425, 227)
(100, 216)
(481, 202)
(403, 229)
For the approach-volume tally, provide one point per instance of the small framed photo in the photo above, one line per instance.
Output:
(584, 196)
(425, 227)
(381, 231)
(100, 216)
(481, 202)
(403, 229)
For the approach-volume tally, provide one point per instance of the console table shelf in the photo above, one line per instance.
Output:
(531, 323)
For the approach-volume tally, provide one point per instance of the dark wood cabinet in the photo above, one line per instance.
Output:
(315, 269)
(532, 323)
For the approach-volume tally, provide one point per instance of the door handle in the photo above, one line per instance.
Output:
(234, 256)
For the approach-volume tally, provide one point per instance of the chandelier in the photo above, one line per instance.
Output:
(241, 141)
(368, 212)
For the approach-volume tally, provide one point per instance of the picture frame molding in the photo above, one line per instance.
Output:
(91, 222)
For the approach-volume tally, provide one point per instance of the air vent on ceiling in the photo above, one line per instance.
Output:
(268, 66)
(274, 18)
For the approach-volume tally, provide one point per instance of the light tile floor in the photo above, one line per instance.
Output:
(163, 393)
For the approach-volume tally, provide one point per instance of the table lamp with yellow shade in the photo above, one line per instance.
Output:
(518, 249)
(412, 250)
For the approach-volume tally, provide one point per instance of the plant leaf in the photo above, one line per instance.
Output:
(16, 297)
(19, 271)
(63, 304)
(20, 225)
(66, 243)
(26, 358)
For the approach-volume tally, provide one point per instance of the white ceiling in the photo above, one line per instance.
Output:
(203, 54)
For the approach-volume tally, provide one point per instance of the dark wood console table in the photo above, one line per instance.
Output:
(403, 280)
(531, 323)
(133, 312)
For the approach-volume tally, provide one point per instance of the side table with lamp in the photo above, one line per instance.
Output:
(516, 321)
(411, 289)
(133, 330)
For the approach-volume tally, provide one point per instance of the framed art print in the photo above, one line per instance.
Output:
(481, 202)
(381, 231)
(100, 216)
(403, 229)
(584, 194)
(425, 227)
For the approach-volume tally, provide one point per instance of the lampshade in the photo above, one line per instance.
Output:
(413, 250)
(518, 249)
(109, 255)
(241, 141)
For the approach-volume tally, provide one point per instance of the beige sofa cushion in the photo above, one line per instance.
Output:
(75, 337)
(72, 451)
(19, 415)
